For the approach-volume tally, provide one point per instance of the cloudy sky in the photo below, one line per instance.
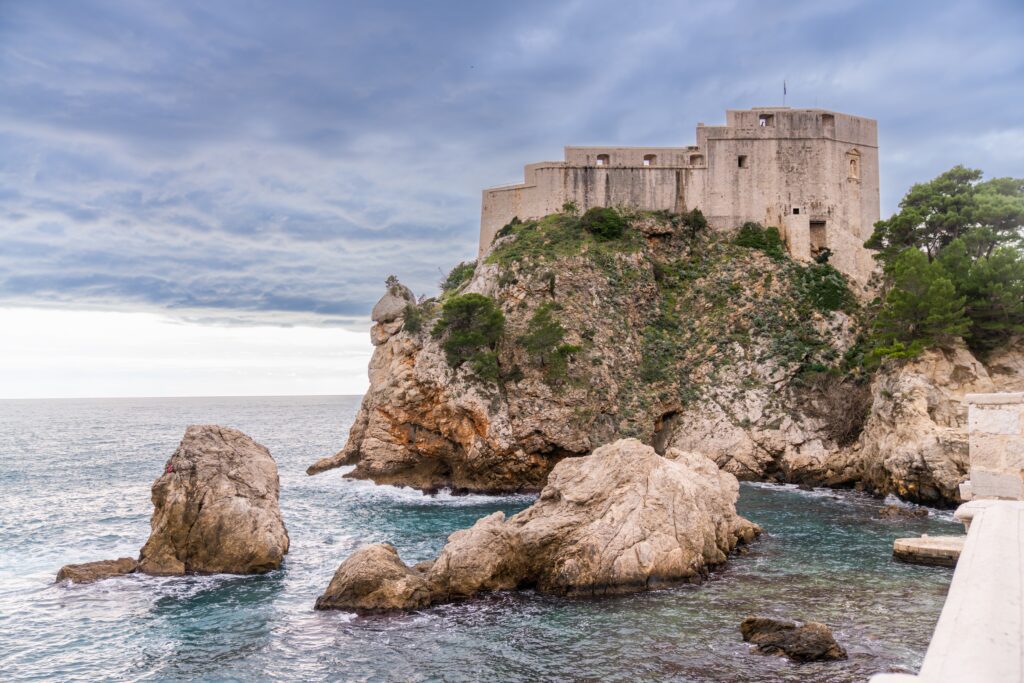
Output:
(182, 182)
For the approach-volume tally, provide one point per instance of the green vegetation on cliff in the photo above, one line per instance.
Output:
(471, 326)
(952, 263)
(649, 310)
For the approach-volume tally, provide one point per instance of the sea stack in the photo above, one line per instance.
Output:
(215, 510)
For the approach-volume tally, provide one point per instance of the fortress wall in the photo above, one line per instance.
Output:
(550, 185)
(796, 164)
(796, 174)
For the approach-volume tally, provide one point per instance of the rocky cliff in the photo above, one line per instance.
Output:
(659, 331)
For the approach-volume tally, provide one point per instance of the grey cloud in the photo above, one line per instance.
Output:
(274, 159)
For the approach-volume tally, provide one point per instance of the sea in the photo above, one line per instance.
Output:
(75, 479)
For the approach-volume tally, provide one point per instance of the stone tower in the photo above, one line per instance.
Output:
(810, 172)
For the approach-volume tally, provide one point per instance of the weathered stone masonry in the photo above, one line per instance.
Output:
(812, 173)
(996, 428)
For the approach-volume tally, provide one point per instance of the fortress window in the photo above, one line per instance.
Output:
(650, 159)
(766, 120)
(742, 161)
(696, 159)
(796, 211)
(603, 159)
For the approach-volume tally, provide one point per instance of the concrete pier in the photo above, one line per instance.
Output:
(939, 551)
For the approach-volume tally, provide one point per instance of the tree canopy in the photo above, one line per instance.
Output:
(953, 264)
(953, 205)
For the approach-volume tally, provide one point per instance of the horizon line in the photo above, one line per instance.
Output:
(121, 398)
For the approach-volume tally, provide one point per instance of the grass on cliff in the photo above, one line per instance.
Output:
(601, 231)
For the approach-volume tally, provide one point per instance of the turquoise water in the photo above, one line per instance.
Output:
(74, 485)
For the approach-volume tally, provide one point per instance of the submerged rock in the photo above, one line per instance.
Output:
(374, 579)
(810, 642)
(216, 508)
(621, 519)
(902, 511)
(94, 571)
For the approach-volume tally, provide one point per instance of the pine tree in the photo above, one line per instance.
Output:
(921, 309)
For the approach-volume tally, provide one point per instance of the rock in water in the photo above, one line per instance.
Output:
(902, 511)
(216, 508)
(621, 519)
(374, 579)
(94, 571)
(810, 642)
(625, 518)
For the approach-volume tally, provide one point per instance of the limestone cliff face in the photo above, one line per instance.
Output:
(680, 340)
(915, 441)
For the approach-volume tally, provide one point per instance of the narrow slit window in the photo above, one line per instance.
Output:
(741, 161)
(603, 159)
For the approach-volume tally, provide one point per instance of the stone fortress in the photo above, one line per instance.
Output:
(810, 172)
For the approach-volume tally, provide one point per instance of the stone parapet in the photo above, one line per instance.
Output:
(996, 430)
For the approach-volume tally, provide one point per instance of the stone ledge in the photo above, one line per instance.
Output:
(937, 551)
(995, 399)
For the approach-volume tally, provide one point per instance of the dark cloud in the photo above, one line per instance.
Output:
(262, 157)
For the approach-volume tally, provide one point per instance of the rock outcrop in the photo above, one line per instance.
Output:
(621, 519)
(679, 341)
(94, 571)
(216, 508)
(914, 442)
(810, 642)
(374, 579)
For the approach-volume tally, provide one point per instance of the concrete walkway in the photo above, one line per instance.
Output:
(980, 634)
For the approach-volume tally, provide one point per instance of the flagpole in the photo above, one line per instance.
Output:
(783, 92)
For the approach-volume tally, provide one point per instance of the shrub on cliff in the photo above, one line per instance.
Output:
(471, 325)
(603, 223)
(755, 236)
(825, 288)
(543, 342)
(458, 276)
